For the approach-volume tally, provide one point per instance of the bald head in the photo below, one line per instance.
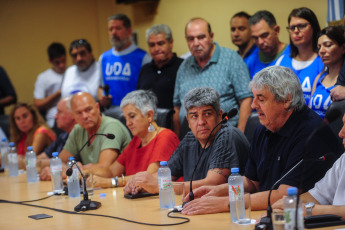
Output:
(86, 111)
(64, 117)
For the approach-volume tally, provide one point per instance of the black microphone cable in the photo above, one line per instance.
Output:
(185, 219)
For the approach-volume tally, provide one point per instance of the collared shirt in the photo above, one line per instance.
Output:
(161, 81)
(272, 154)
(225, 72)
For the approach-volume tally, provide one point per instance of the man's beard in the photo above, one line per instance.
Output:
(117, 43)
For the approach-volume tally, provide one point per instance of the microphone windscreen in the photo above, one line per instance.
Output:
(69, 172)
(331, 115)
(232, 113)
(327, 156)
(110, 136)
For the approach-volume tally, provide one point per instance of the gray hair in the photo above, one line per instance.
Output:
(282, 82)
(144, 100)
(202, 96)
(159, 29)
(263, 15)
(68, 102)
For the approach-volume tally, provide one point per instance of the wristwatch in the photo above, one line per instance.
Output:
(308, 207)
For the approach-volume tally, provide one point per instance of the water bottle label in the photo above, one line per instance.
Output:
(235, 192)
(31, 163)
(56, 169)
(165, 183)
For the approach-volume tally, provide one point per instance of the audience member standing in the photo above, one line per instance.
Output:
(213, 66)
(160, 74)
(303, 59)
(331, 45)
(83, 76)
(265, 32)
(241, 35)
(47, 90)
(121, 64)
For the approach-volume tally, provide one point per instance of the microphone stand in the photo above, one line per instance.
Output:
(86, 203)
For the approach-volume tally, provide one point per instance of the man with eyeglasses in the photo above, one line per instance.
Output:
(47, 90)
(121, 64)
(265, 33)
(83, 76)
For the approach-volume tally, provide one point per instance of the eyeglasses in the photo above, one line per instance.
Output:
(300, 27)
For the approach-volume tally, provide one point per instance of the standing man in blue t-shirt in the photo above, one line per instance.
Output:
(121, 64)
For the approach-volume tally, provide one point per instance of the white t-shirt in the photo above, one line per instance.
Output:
(46, 84)
(330, 190)
(78, 81)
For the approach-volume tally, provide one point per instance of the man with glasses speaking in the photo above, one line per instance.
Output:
(84, 75)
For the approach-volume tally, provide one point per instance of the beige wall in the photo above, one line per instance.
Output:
(28, 27)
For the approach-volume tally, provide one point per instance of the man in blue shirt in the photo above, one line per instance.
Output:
(121, 64)
(217, 67)
(265, 33)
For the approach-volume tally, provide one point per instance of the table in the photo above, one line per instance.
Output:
(14, 216)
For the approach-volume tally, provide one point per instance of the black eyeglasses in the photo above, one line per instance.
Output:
(300, 27)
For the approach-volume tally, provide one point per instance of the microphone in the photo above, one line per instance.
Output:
(107, 135)
(267, 221)
(106, 90)
(226, 117)
(86, 203)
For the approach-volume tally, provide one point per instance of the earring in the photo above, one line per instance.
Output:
(151, 128)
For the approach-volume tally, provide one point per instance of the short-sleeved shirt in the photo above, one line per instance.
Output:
(57, 145)
(80, 81)
(272, 154)
(90, 154)
(225, 72)
(229, 149)
(137, 159)
(47, 83)
(161, 81)
(330, 190)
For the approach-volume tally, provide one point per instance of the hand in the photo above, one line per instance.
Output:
(279, 204)
(45, 174)
(338, 93)
(101, 182)
(106, 100)
(206, 205)
(209, 190)
(142, 180)
(21, 162)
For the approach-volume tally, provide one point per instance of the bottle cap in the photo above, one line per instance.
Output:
(291, 191)
(235, 170)
(71, 158)
(30, 148)
(3, 139)
(163, 163)
(11, 144)
(103, 195)
(55, 154)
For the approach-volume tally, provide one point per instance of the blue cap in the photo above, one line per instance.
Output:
(291, 191)
(3, 139)
(11, 144)
(71, 158)
(103, 195)
(30, 148)
(163, 163)
(55, 154)
(235, 170)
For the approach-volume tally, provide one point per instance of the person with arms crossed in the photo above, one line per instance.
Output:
(227, 147)
(160, 74)
(100, 151)
(285, 136)
(121, 64)
(150, 145)
(217, 67)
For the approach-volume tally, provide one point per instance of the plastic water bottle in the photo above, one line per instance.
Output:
(166, 190)
(236, 196)
(12, 160)
(56, 172)
(4, 151)
(290, 211)
(73, 180)
(31, 170)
